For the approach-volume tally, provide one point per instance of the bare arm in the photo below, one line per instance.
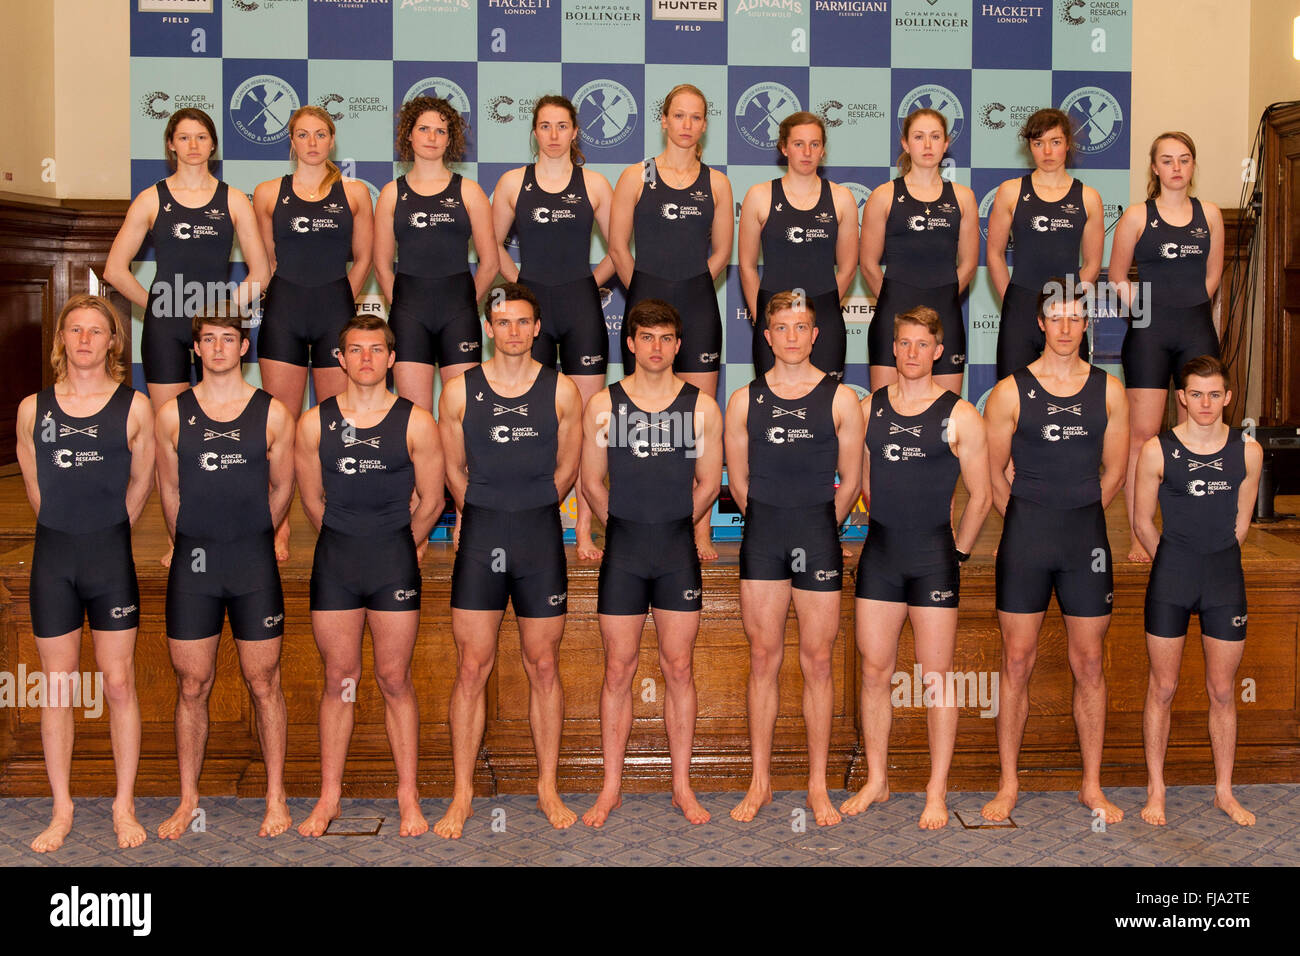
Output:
(117, 270)
(1127, 233)
(1249, 489)
(850, 429)
(736, 442)
(363, 239)
(503, 217)
(167, 430)
(601, 195)
(1146, 494)
(264, 208)
(708, 456)
(846, 242)
(426, 456)
(865, 411)
(968, 236)
(244, 220)
(451, 431)
(385, 240)
(26, 450)
(1001, 412)
(595, 453)
(279, 456)
(483, 236)
(1114, 450)
(621, 212)
(1214, 261)
(872, 247)
(724, 224)
(1093, 246)
(748, 248)
(969, 443)
(1000, 218)
(568, 411)
(306, 459)
(140, 439)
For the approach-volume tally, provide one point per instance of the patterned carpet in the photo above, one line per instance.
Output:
(1052, 830)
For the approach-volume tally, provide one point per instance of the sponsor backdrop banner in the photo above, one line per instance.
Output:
(860, 64)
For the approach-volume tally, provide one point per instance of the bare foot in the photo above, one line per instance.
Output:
(587, 550)
(1000, 807)
(1154, 812)
(605, 805)
(51, 838)
(277, 819)
(176, 824)
(319, 820)
(413, 821)
(1093, 799)
(282, 542)
(704, 546)
(1239, 814)
(560, 816)
(757, 796)
(819, 802)
(127, 827)
(1137, 553)
(166, 559)
(686, 802)
(869, 794)
(935, 814)
(453, 821)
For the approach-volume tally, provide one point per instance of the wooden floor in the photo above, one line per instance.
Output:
(1269, 749)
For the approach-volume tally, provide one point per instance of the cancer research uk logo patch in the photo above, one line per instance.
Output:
(759, 112)
(1096, 116)
(261, 107)
(606, 113)
(931, 96)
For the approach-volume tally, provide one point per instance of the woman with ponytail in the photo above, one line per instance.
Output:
(552, 205)
(1176, 242)
(313, 224)
(926, 230)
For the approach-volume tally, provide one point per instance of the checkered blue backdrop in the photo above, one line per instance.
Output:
(860, 64)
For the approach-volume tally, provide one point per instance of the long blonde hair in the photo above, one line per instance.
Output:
(905, 158)
(676, 91)
(115, 360)
(332, 172)
(1153, 181)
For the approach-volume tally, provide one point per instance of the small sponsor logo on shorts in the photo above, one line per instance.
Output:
(273, 620)
(709, 357)
(589, 360)
(404, 594)
(469, 346)
(118, 613)
(555, 600)
(1239, 620)
(937, 596)
(691, 594)
(1110, 597)
(825, 575)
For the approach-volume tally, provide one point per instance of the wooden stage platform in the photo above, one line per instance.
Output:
(1269, 732)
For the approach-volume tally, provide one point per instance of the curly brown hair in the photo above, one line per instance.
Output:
(410, 113)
